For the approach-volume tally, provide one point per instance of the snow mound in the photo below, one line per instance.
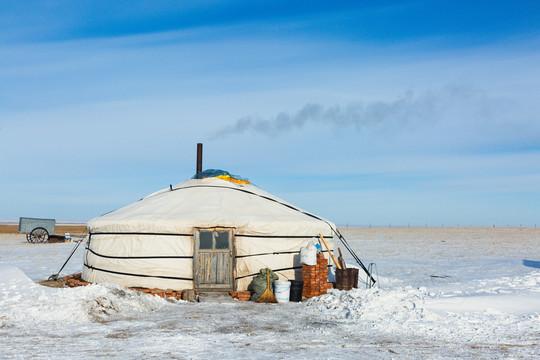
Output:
(510, 284)
(23, 302)
(107, 302)
(399, 305)
(416, 312)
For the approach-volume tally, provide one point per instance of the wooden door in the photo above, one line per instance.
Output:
(214, 259)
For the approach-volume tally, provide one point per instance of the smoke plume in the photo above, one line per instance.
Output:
(409, 109)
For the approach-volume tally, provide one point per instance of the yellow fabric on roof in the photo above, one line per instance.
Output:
(228, 178)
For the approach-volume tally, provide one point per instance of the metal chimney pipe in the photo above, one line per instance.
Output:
(199, 158)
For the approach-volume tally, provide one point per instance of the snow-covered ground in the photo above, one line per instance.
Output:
(444, 293)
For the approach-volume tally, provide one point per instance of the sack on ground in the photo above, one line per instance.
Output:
(259, 284)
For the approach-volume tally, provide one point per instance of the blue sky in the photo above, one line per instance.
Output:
(387, 112)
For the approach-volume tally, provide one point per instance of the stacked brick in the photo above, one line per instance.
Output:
(315, 278)
(322, 263)
(329, 286)
(310, 277)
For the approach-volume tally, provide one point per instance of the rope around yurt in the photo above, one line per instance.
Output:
(335, 230)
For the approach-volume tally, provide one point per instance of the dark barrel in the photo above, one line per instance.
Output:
(346, 279)
(354, 275)
(296, 290)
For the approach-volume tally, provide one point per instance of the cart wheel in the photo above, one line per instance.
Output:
(29, 238)
(39, 235)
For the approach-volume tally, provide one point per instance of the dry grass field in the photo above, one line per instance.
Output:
(60, 229)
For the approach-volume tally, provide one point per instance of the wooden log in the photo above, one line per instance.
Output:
(330, 252)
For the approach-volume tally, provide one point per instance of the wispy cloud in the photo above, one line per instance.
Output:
(410, 109)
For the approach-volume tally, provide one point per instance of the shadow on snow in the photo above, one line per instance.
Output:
(531, 263)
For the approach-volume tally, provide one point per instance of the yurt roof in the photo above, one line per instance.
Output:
(211, 202)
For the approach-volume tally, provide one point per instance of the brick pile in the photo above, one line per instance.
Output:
(315, 278)
(241, 295)
(329, 286)
(322, 263)
(166, 294)
(310, 277)
(75, 281)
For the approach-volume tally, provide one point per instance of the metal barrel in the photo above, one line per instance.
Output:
(346, 279)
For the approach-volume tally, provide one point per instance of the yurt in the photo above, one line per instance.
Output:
(213, 233)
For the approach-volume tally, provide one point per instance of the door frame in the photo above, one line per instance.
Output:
(232, 260)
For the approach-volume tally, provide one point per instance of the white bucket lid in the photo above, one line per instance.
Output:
(282, 282)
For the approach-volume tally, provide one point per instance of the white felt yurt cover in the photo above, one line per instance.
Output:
(150, 243)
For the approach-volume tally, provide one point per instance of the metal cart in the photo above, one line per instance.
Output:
(36, 230)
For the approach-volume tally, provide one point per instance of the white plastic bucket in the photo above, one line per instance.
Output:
(282, 290)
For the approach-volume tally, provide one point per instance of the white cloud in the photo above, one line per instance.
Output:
(135, 107)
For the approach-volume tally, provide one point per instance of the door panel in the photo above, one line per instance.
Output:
(214, 259)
